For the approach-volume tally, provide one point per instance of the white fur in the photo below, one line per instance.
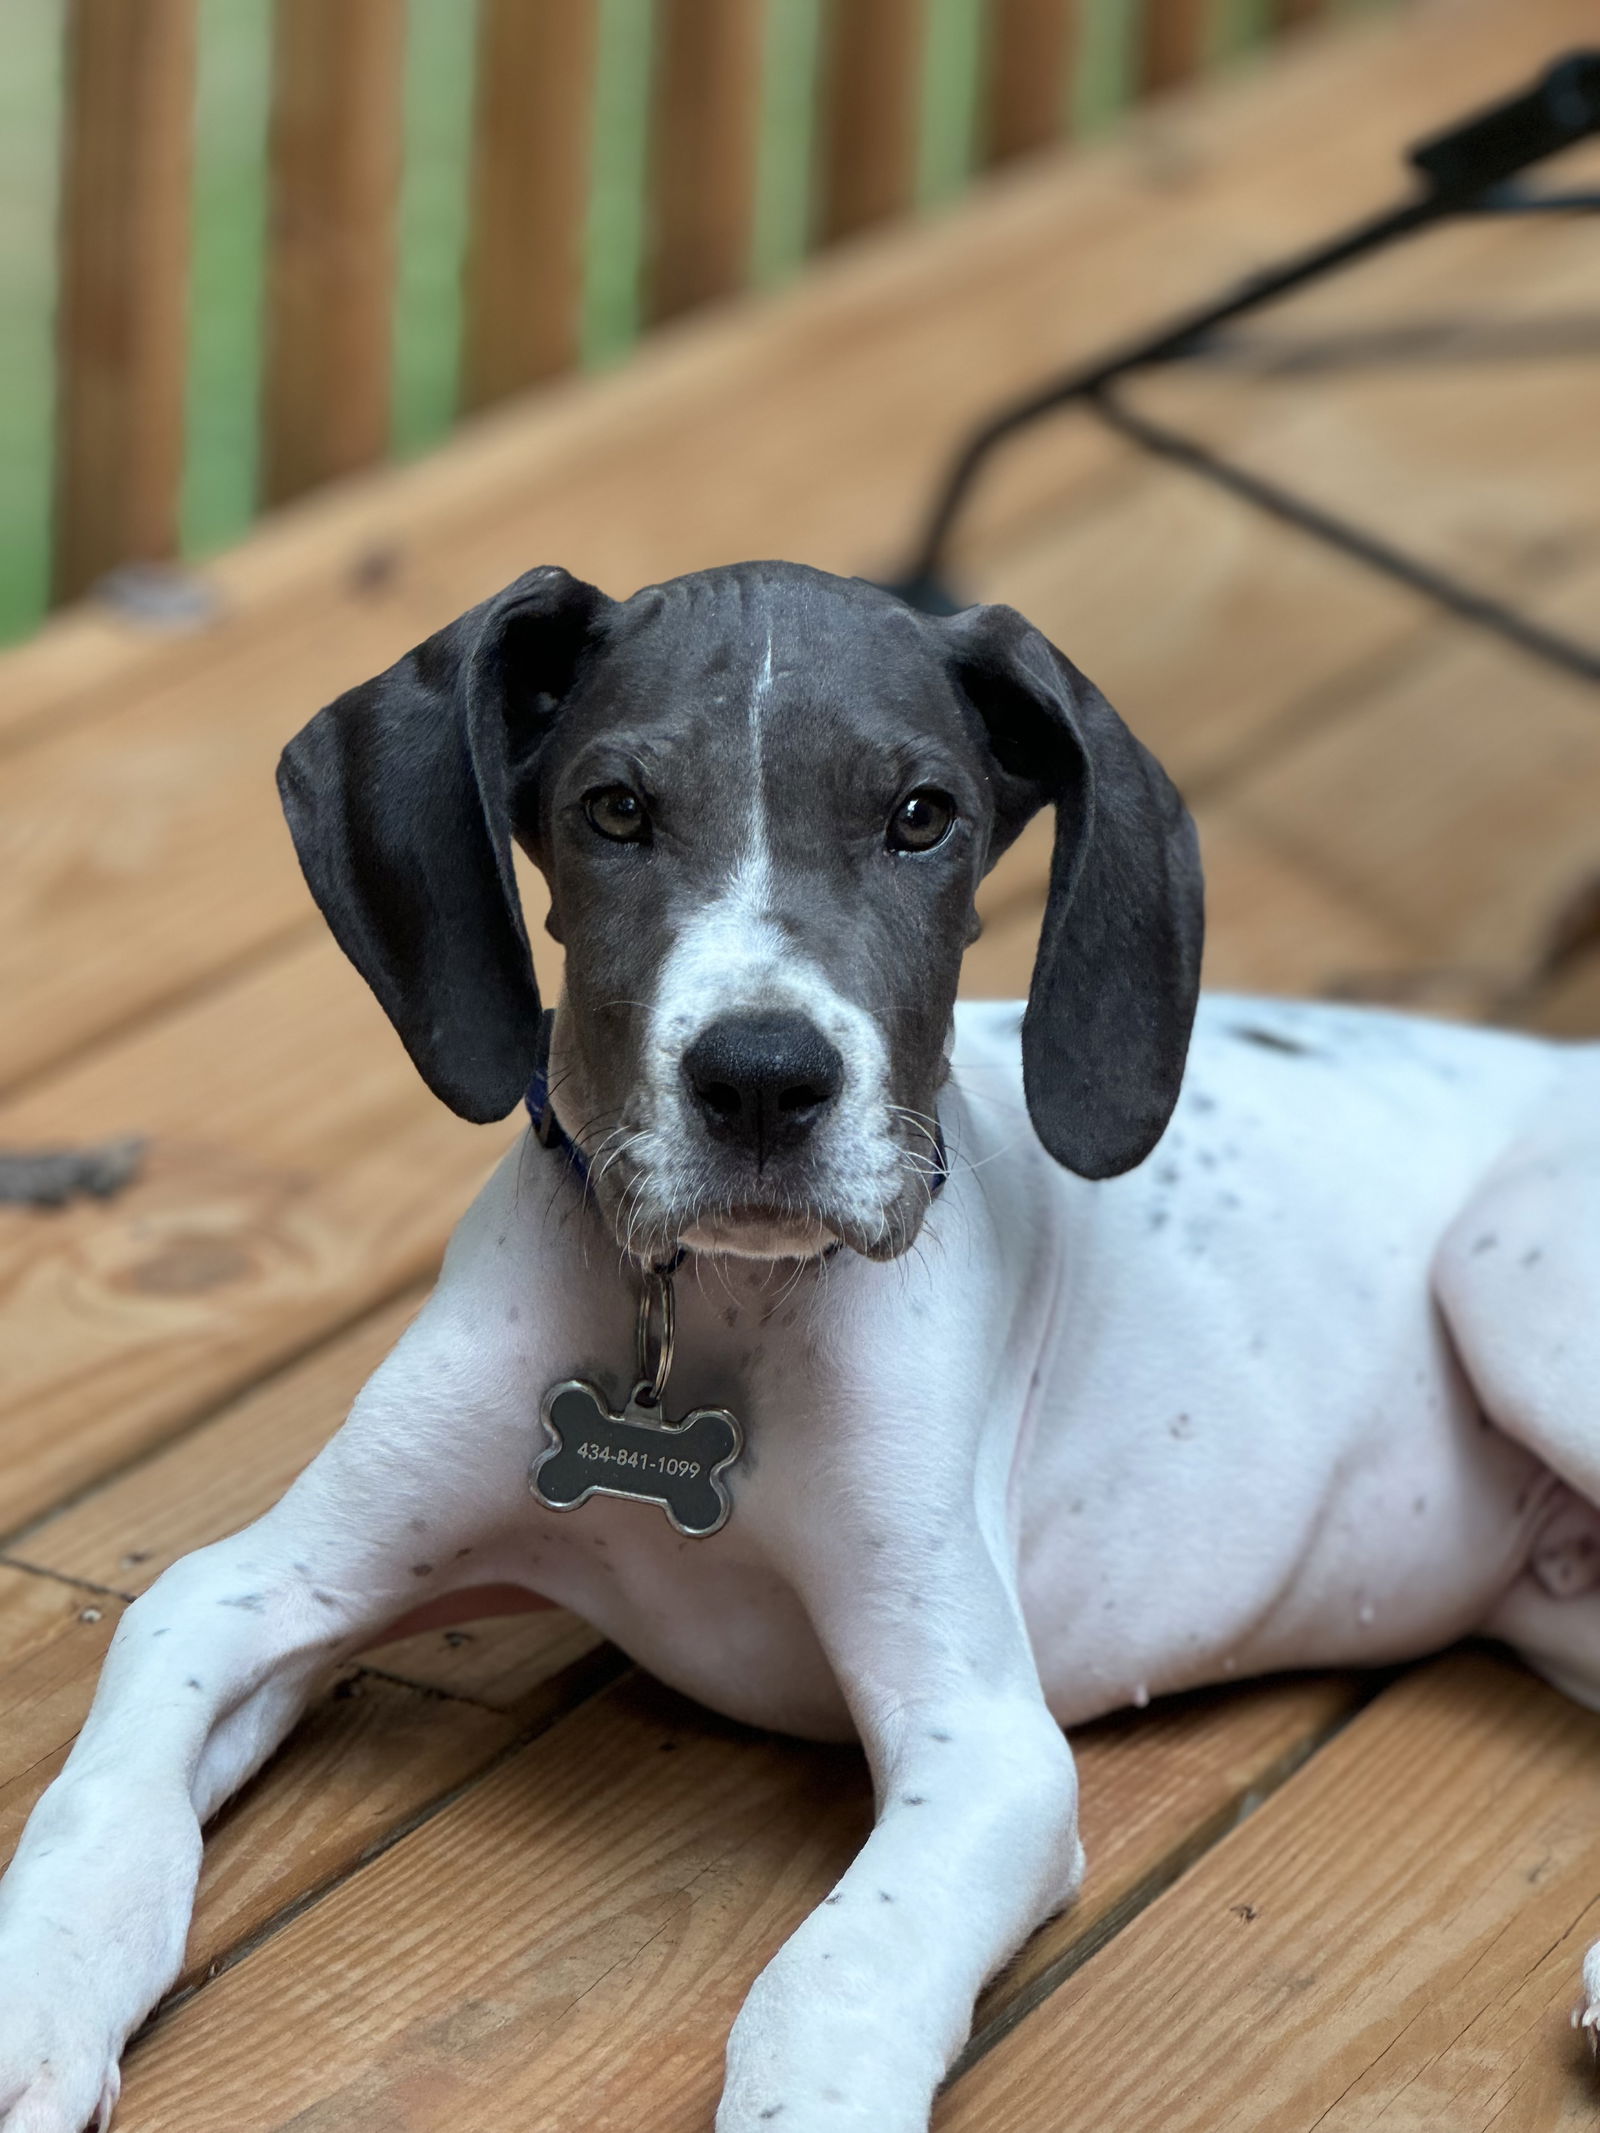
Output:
(1088, 1443)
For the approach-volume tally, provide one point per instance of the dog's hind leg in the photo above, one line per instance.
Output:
(1518, 1279)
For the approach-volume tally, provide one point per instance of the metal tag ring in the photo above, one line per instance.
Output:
(656, 1291)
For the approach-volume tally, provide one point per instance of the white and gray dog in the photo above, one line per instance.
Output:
(1315, 1384)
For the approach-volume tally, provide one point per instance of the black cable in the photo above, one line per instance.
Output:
(1467, 169)
(1480, 608)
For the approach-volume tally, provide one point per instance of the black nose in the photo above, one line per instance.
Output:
(762, 1081)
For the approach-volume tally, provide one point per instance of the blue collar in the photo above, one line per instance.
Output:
(547, 1129)
(549, 1133)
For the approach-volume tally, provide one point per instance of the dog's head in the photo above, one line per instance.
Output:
(763, 799)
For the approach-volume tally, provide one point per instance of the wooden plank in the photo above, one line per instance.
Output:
(871, 113)
(580, 1928)
(1211, 628)
(1172, 42)
(124, 259)
(1274, 924)
(1427, 800)
(705, 122)
(530, 194)
(279, 1201)
(334, 157)
(616, 476)
(1393, 1940)
(1028, 91)
(217, 1477)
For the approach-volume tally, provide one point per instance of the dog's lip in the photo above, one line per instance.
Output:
(759, 1214)
(760, 1230)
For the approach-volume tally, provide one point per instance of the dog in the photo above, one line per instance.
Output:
(1054, 1358)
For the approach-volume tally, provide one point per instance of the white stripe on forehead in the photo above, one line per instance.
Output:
(756, 862)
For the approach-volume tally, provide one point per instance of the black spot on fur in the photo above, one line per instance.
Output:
(1270, 1041)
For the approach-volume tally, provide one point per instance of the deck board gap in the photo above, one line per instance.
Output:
(61, 1577)
(596, 1670)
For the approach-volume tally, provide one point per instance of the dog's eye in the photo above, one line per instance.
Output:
(921, 821)
(616, 813)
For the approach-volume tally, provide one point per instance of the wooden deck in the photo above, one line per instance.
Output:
(473, 1892)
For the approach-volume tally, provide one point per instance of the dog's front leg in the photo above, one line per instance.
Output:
(854, 2022)
(206, 1674)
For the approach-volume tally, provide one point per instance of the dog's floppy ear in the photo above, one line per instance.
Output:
(1112, 999)
(399, 801)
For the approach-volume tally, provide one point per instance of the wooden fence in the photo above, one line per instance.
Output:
(334, 161)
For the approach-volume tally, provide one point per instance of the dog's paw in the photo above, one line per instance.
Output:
(46, 2104)
(53, 2078)
(1586, 2015)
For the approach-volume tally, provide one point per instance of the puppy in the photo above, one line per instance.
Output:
(981, 1412)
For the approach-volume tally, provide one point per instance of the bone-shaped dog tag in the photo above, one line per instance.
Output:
(593, 1452)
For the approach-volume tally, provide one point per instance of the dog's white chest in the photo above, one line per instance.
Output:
(1240, 1440)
